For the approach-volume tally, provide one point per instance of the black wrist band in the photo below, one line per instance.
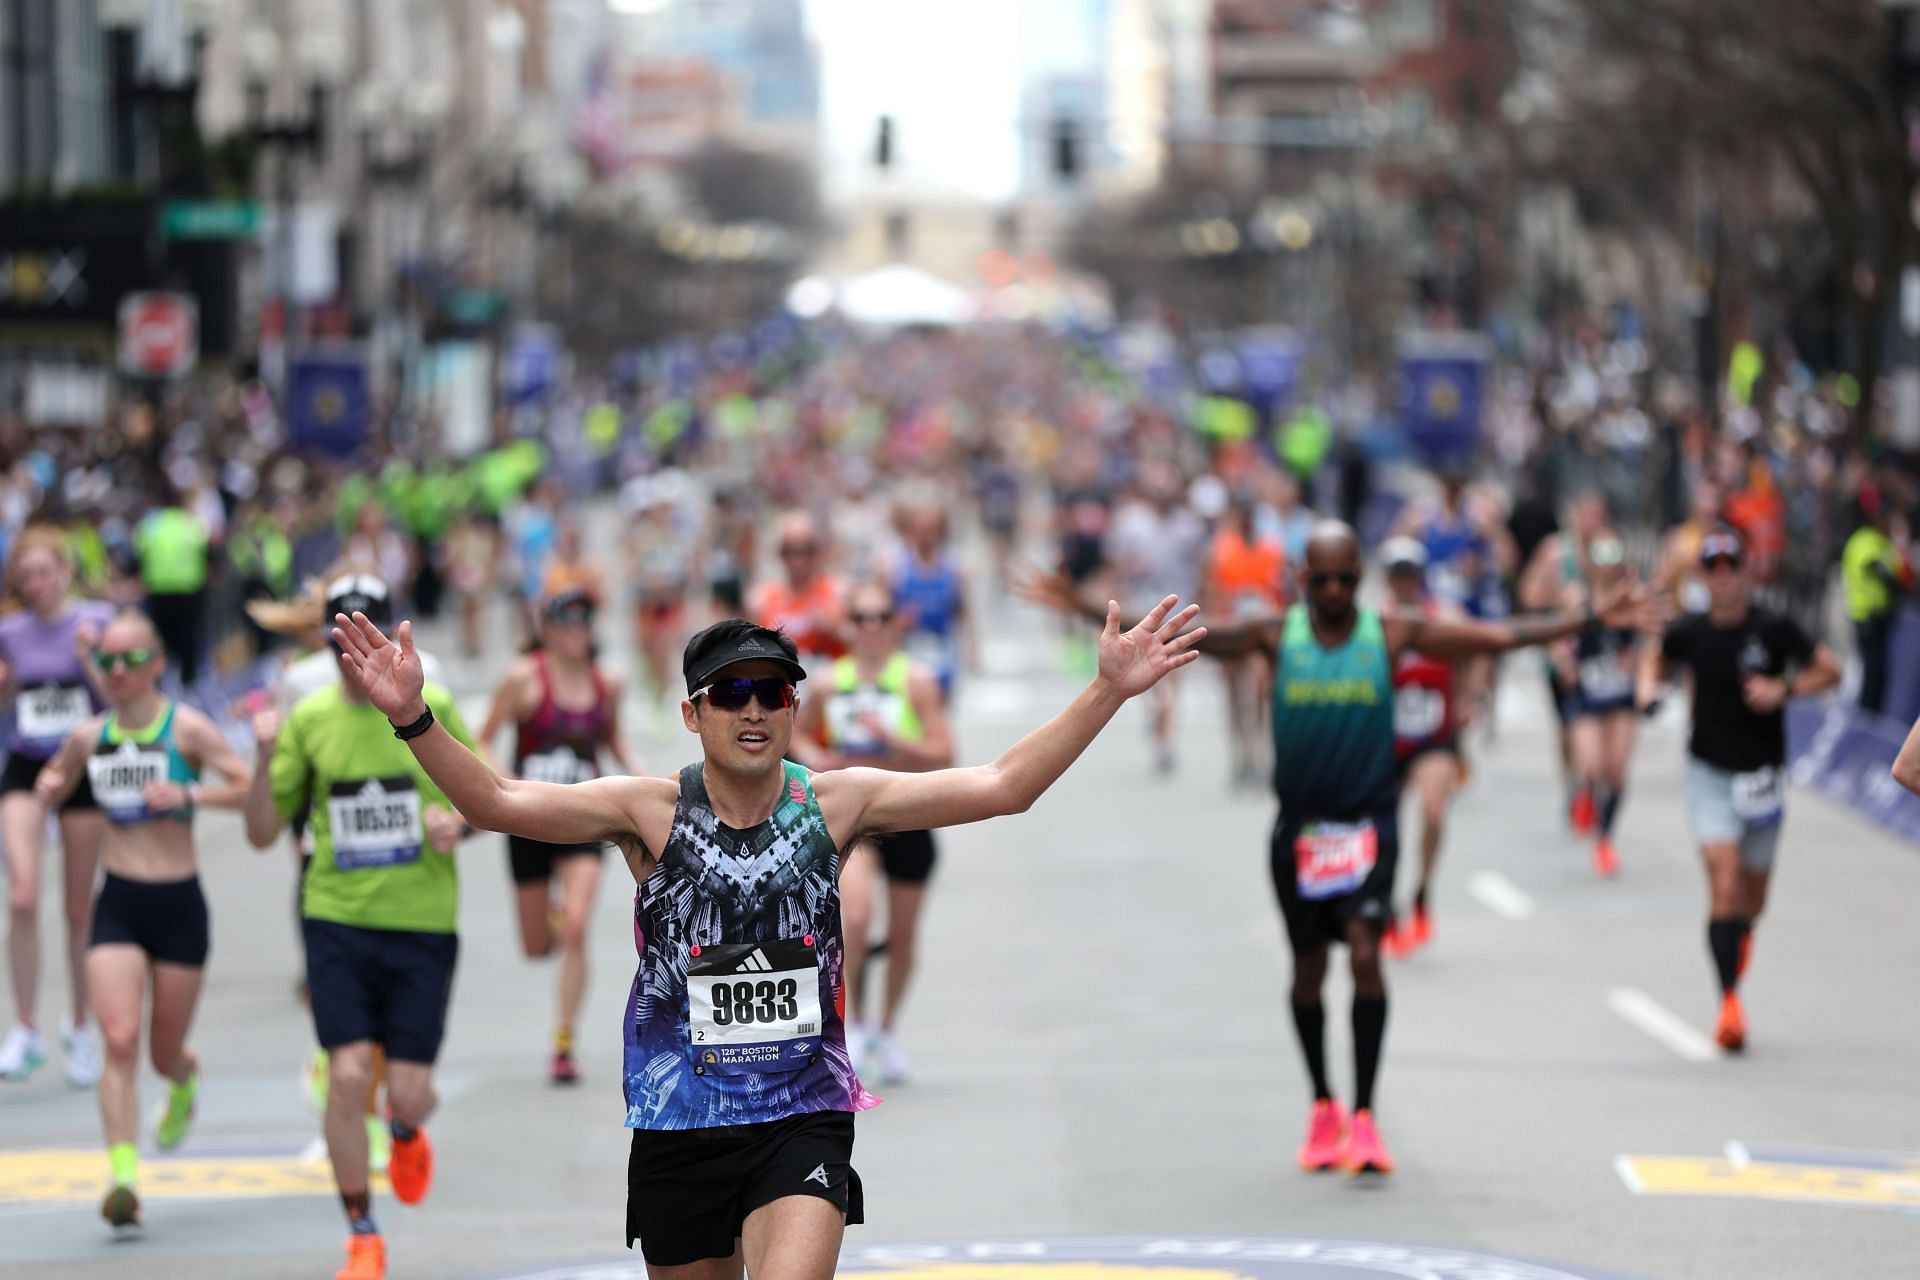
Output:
(405, 732)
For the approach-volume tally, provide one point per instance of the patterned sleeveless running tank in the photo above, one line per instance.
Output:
(733, 1017)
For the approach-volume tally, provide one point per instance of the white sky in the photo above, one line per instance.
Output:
(948, 73)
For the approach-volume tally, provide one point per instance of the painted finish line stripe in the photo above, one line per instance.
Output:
(64, 1177)
(1500, 895)
(1653, 1018)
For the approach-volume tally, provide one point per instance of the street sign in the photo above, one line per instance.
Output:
(159, 334)
(210, 220)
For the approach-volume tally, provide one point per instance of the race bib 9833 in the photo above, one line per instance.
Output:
(753, 1008)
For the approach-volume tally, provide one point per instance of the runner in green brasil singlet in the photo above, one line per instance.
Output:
(1336, 845)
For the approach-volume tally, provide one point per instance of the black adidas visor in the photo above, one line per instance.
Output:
(751, 647)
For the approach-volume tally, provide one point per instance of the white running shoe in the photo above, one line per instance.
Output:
(860, 1047)
(22, 1053)
(83, 1055)
(894, 1068)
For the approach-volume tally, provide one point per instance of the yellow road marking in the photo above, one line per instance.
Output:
(1697, 1176)
(80, 1176)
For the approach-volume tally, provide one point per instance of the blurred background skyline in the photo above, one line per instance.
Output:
(1718, 182)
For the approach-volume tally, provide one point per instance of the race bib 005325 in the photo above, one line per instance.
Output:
(375, 822)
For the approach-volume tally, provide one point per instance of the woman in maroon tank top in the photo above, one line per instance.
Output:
(565, 712)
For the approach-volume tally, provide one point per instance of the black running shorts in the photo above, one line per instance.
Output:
(166, 919)
(390, 986)
(1315, 922)
(690, 1190)
(533, 861)
(907, 856)
(22, 771)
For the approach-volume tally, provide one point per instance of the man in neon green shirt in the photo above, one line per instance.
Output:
(1871, 568)
(171, 546)
(378, 906)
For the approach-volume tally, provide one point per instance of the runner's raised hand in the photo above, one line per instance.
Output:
(1132, 662)
(387, 671)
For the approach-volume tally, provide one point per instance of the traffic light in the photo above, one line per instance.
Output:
(883, 145)
(1066, 149)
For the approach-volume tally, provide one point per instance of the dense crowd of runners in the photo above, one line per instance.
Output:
(805, 548)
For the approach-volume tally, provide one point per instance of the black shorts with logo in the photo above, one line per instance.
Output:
(532, 861)
(390, 986)
(22, 772)
(1314, 922)
(689, 1190)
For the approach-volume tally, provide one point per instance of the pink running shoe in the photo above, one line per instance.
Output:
(1365, 1152)
(1326, 1129)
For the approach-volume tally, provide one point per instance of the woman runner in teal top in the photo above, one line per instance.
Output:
(144, 759)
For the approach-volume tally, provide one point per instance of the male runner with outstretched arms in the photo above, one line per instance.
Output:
(739, 1088)
(1335, 848)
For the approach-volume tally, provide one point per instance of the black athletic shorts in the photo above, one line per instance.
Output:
(689, 1190)
(22, 771)
(390, 986)
(532, 860)
(167, 919)
(1314, 922)
(907, 856)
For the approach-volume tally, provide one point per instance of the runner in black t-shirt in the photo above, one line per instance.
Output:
(1746, 662)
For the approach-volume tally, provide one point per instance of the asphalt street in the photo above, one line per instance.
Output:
(1102, 1047)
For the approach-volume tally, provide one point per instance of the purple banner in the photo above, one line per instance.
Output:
(1848, 755)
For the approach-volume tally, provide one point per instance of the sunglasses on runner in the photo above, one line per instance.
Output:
(580, 615)
(791, 550)
(128, 660)
(877, 619)
(1321, 581)
(773, 692)
(1715, 563)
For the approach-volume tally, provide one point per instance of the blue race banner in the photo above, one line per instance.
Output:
(1269, 366)
(329, 403)
(1442, 377)
(1847, 755)
(532, 369)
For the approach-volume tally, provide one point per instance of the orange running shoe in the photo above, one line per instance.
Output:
(1326, 1130)
(1393, 943)
(1731, 1030)
(1365, 1152)
(366, 1259)
(1422, 932)
(1605, 861)
(1583, 814)
(410, 1168)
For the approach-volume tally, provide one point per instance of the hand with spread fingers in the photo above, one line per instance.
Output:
(387, 671)
(1132, 662)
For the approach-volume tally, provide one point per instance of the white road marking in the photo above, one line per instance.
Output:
(1500, 895)
(1653, 1018)
(314, 1152)
(1623, 1165)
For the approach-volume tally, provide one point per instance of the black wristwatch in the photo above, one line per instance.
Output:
(407, 732)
